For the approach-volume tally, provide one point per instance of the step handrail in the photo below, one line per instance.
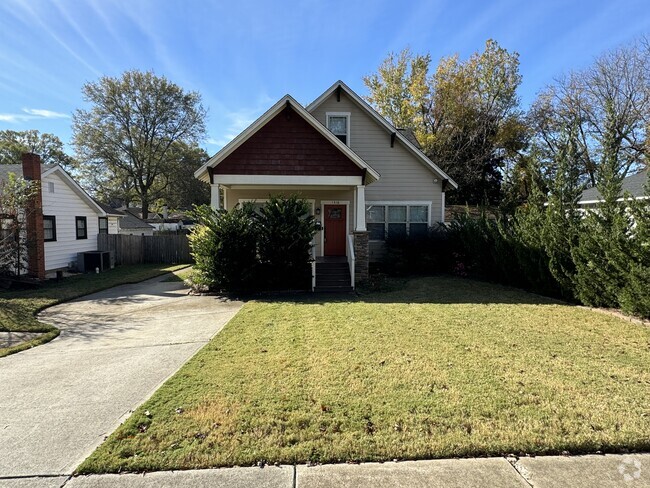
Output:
(351, 258)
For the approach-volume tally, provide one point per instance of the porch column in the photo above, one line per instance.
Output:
(360, 213)
(215, 196)
(442, 201)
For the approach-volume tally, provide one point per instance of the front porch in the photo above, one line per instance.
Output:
(340, 212)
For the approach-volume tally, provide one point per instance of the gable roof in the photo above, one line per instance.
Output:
(634, 185)
(48, 169)
(287, 100)
(130, 221)
(385, 124)
(74, 186)
(109, 210)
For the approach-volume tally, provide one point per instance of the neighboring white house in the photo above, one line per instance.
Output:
(365, 179)
(633, 185)
(68, 222)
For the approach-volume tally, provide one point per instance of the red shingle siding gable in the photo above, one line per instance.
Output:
(288, 145)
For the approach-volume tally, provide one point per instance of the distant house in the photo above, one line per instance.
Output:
(66, 219)
(131, 224)
(633, 185)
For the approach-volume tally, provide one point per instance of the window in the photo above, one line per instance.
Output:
(258, 203)
(396, 220)
(49, 228)
(339, 124)
(50, 186)
(103, 225)
(81, 227)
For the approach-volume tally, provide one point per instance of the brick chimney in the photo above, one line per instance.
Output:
(35, 233)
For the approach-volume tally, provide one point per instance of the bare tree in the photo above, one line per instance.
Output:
(16, 195)
(608, 101)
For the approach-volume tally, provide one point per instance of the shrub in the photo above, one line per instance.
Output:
(423, 254)
(240, 250)
(224, 247)
(285, 232)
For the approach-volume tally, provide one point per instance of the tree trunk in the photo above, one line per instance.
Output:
(145, 206)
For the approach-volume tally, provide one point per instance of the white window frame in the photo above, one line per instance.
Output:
(347, 115)
(394, 203)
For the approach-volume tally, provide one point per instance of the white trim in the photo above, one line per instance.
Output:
(360, 206)
(442, 211)
(267, 180)
(622, 199)
(347, 115)
(215, 200)
(202, 172)
(347, 221)
(395, 203)
(74, 186)
(383, 122)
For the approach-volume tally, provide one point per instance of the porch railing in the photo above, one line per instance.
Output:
(351, 258)
(313, 268)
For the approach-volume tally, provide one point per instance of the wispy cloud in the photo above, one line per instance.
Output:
(32, 114)
(236, 121)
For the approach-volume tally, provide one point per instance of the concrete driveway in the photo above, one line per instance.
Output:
(59, 401)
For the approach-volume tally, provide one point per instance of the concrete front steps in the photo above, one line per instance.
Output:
(332, 276)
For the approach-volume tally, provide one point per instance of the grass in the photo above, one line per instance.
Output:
(180, 275)
(438, 367)
(18, 309)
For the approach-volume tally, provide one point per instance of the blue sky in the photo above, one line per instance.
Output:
(244, 55)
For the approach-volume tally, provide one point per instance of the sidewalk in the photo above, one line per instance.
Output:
(592, 471)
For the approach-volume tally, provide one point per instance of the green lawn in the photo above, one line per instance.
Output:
(439, 367)
(18, 308)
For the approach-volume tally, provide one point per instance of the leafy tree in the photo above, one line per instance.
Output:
(465, 115)
(48, 146)
(131, 134)
(401, 91)
(15, 208)
(177, 187)
(181, 190)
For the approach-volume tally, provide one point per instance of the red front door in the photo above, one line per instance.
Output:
(334, 223)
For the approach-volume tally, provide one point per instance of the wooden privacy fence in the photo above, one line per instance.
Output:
(168, 249)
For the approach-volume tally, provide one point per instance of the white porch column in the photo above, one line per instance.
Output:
(442, 201)
(360, 213)
(215, 197)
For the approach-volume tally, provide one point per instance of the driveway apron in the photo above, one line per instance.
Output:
(59, 401)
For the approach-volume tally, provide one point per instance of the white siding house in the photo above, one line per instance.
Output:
(74, 216)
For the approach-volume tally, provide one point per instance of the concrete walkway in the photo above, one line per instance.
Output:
(59, 401)
(597, 471)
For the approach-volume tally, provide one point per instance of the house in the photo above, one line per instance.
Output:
(65, 220)
(634, 185)
(364, 179)
(131, 224)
